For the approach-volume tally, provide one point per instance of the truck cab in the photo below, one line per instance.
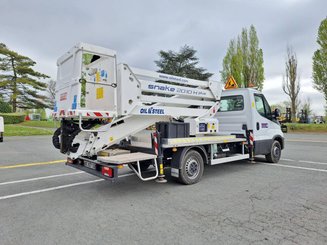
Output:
(248, 108)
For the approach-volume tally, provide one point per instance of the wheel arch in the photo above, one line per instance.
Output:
(181, 152)
(280, 139)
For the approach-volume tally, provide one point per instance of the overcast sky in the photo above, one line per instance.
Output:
(137, 30)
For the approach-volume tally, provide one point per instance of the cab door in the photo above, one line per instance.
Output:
(262, 118)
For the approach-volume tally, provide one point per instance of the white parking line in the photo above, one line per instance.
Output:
(303, 161)
(288, 160)
(306, 140)
(296, 167)
(322, 163)
(125, 175)
(49, 189)
(58, 187)
(40, 178)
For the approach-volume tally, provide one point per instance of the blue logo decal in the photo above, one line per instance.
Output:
(152, 111)
(55, 108)
(264, 125)
(74, 104)
(179, 90)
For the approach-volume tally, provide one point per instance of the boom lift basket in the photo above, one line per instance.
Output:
(86, 83)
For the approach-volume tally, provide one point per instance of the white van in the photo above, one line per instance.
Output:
(2, 129)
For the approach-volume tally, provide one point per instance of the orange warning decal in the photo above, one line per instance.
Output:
(231, 83)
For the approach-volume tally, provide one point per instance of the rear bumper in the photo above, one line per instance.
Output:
(79, 164)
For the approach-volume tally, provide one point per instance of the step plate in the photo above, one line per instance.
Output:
(236, 157)
(127, 158)
(179, 142)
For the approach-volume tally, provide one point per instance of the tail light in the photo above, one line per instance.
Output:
(106, 171)
(70, 161)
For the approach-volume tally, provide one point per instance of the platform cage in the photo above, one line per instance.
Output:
(86, 83)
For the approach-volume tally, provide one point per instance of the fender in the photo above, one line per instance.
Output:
(280, 139)
(263, 147)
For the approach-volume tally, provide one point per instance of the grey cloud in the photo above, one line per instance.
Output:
(45, 30)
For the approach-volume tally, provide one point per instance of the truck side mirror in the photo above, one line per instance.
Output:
(276, 113)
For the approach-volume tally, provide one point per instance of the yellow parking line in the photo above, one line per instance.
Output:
(22, 165)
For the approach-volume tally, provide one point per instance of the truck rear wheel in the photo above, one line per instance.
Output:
(191, 168)
(275, 152)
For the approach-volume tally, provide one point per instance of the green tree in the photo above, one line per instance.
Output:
(319, 67)
(306, 106)
(244, 60)
(183, 63)
(233, 62)
(19, 82)
(43, 114)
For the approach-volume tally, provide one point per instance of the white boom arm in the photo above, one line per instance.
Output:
(91, 86)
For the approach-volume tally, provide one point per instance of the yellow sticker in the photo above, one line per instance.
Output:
(97, 76)
(99, 93)
(111, 138)
(252, 104)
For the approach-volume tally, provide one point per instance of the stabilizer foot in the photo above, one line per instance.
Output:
(161, 179)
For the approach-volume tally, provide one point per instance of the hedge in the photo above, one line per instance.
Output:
(5, 107)
(12, 118)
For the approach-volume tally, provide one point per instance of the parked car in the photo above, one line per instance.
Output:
(2, 129)
(319, 120)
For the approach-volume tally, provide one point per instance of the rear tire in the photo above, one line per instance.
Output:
(275, 152)
(56, 138)
(192, 167)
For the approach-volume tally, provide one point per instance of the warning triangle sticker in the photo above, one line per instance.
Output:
(231, 83)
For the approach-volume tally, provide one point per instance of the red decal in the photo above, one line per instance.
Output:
(63, 96)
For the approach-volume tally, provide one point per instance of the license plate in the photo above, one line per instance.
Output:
(90, 165)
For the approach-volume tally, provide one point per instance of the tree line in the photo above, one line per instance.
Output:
(23, 87)
(244, 61)
(20, 84)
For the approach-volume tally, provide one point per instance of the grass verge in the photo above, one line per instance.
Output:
(41, 124)
(310, 128)
(17, 130)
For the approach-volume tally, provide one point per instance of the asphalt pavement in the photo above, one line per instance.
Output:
(42, 201)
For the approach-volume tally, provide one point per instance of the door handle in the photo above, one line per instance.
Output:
(258, 126)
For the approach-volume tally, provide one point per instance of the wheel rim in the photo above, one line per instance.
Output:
(192, 168)
(276, 152)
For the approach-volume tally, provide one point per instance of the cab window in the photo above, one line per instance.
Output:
(231, 103)
(262, 106)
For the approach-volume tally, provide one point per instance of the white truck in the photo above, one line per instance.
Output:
(115, 115)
